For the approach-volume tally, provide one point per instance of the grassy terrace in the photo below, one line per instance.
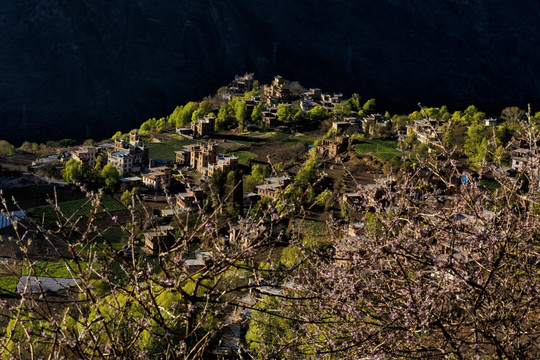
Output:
(73, 209)
(8, 284)
(165, 150)
(292, 140)
(244, 156)
(57, 269)
(381, 149)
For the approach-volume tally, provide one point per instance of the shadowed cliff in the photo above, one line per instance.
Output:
(88, 68)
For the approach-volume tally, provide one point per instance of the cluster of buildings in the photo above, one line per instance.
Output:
(279, 91)
(313, 97)
(205, 159)
(272, 185)
(204, 128)
(330, 148)
(129, 157)
(525, 158)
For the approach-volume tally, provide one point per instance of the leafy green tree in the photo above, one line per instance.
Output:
(455, 135)
(241, 113)
(258, 173)
(67, 142)
(218, 181)
(148, 126)
(126, 197)
(513, 114)
(308, 173)
(355, 102)
(72, 171)
(267, 329)
(318, 114)
(24, 337)
(197, 114)
(162, 125)
(296, 89)
(416, 115)
(187, 113)
(506, 131)
(438, 113)
(535, 119)
(284, 113)
(176, 117)
(101, 160)
(472, 114)
(117, 135)
(206, 106)
(223, 119)
(410, 140)
(110, 176)
(234, 195)
(249, 94)
(299, 118)
(369, 106)
(476, 144)
(256, 114)
(29, 147)
(343, 109)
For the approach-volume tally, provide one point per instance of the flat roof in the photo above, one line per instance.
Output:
(130, 179)
(119, 153)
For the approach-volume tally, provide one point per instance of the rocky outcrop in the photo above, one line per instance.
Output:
(90, 67)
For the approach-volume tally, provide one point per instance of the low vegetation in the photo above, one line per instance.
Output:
(381, 149)
(74, 209)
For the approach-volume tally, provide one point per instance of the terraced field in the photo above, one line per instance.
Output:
(8, 284)
(165, 150)
(381, 149)
(73, 209)
(58, 269)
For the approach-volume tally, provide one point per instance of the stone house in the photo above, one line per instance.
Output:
(330, 101)
(279, 90)
(271, 185)
(189, 199)
(162, 239)
(427, 130)
(129, 157)
(197, 156)
(348, 125)
(269, 119)
(242, 83)
(86, 155)
(525, 159)
(330, 148)
(204, 127)
(225, 163)
(157, 178)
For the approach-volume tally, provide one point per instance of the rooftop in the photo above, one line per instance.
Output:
(119, 154)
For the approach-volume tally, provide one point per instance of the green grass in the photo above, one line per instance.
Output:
(8, 284)
(381, 149)
(116, 237)
(111, 240)
(490, 184)
(292, 140)
(52, 269)
(242, 141)
(73, 209)
(244, 156)
(313, 227)
(165, 150)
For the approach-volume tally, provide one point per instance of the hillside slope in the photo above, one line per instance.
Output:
(88, 68)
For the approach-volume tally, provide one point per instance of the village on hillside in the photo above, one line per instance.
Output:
(253, 167)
